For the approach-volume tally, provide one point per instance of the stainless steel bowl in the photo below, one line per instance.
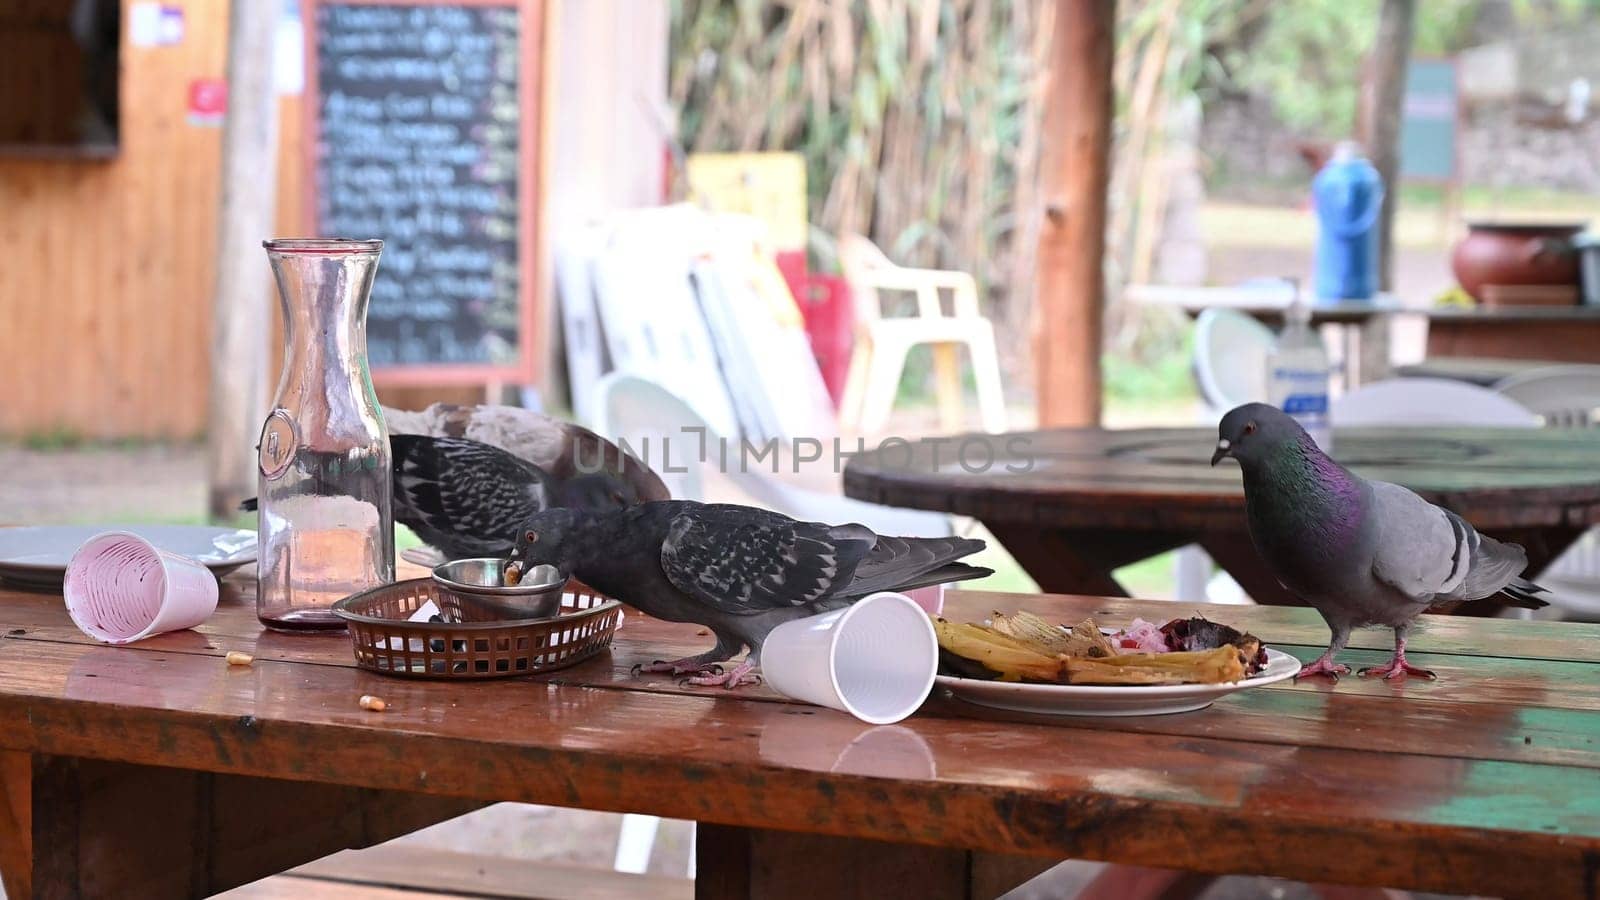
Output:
(536, 596)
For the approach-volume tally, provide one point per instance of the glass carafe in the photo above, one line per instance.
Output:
(326, 523)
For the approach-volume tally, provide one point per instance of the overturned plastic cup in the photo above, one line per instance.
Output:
(874, 659)
(122, 588)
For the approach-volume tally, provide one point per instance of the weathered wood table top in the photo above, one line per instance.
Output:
(1486, 781)
(1072, 504)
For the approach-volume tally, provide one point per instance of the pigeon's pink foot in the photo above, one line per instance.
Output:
(689, 665)
(1323, 665)
(1395, 668)
(738, 676)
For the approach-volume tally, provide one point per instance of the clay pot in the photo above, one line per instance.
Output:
(1515, 254)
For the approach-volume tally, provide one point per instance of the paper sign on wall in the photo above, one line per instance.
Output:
(289, 51)
(155, 24)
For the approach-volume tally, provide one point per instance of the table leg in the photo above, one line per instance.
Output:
(1543, 544)
(1372, 348)
(1081, 560)
(16, 824)
(89, 828)
(740, 863)
(1237, 556)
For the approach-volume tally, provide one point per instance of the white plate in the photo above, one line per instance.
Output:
(1111, 700)
(38, 555)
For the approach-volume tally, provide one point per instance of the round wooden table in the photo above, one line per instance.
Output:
(1072, 505)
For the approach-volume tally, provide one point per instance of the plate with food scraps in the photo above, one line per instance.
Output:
(37, 556)
(1182, 666)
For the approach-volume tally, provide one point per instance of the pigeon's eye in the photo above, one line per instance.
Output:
(1250, 428)
(531, 537)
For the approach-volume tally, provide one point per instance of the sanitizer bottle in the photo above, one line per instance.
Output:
(1298, 374)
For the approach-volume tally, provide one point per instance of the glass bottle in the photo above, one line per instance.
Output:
(326, 523)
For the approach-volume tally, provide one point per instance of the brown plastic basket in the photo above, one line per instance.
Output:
(469, 642)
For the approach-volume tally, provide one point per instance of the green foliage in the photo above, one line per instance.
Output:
(1307, 55)
(52, 439)
(912, 117)
(1163, 381)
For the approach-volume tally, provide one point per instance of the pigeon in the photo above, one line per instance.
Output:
(738, 570)
(1360, 552)
(570, 466)
(468, 499)
(563, 450)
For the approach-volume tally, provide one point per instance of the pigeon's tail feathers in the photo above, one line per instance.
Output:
(907, 563)
(945, 575)
(247, 505)
(1523, 594)
(1492, 567)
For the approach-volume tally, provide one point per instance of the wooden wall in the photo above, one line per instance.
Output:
(106, 268)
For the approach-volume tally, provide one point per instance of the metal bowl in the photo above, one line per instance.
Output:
(482, 581)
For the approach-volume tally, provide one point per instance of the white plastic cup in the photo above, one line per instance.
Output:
(874, 659)
(121, 588)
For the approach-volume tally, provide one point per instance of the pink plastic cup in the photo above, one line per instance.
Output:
(121, 588)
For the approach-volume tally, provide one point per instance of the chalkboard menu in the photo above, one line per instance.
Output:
(418, 120)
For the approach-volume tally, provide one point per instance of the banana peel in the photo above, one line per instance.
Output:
(1002, 654)
(1024, 647)
(1188, 667)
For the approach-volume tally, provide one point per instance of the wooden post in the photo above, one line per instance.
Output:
(1390, 56)
(239, 314)
(1074, 169)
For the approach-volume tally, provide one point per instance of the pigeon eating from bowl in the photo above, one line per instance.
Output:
(738, 570)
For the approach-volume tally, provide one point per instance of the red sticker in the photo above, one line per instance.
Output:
(208, 101)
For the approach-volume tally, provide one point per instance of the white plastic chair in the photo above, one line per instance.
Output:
(1563, 396)
(1230, 368)
(1428, 401)
(667, 434)
(1566, 397)
(883, 341)
(1230, 358)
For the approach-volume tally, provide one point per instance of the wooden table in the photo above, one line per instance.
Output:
(1074, 504)
(1363, 324)
(1569, 334)
(157, 770)
(1484, 371)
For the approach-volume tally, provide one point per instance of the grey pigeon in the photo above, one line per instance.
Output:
(737, 570)
(1361, 552)
(561, 449)
(566, 453)
(469, 499)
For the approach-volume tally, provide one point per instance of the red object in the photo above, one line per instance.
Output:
(824, 302)
(208, 100)
(1520, 254)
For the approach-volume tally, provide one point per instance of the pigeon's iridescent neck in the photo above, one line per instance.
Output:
(1309, 491)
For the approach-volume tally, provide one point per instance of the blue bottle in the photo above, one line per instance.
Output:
(1348, 195)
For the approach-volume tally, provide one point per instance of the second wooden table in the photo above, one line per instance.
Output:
(1072, 505)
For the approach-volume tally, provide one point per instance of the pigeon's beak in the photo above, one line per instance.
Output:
(1224, 448)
